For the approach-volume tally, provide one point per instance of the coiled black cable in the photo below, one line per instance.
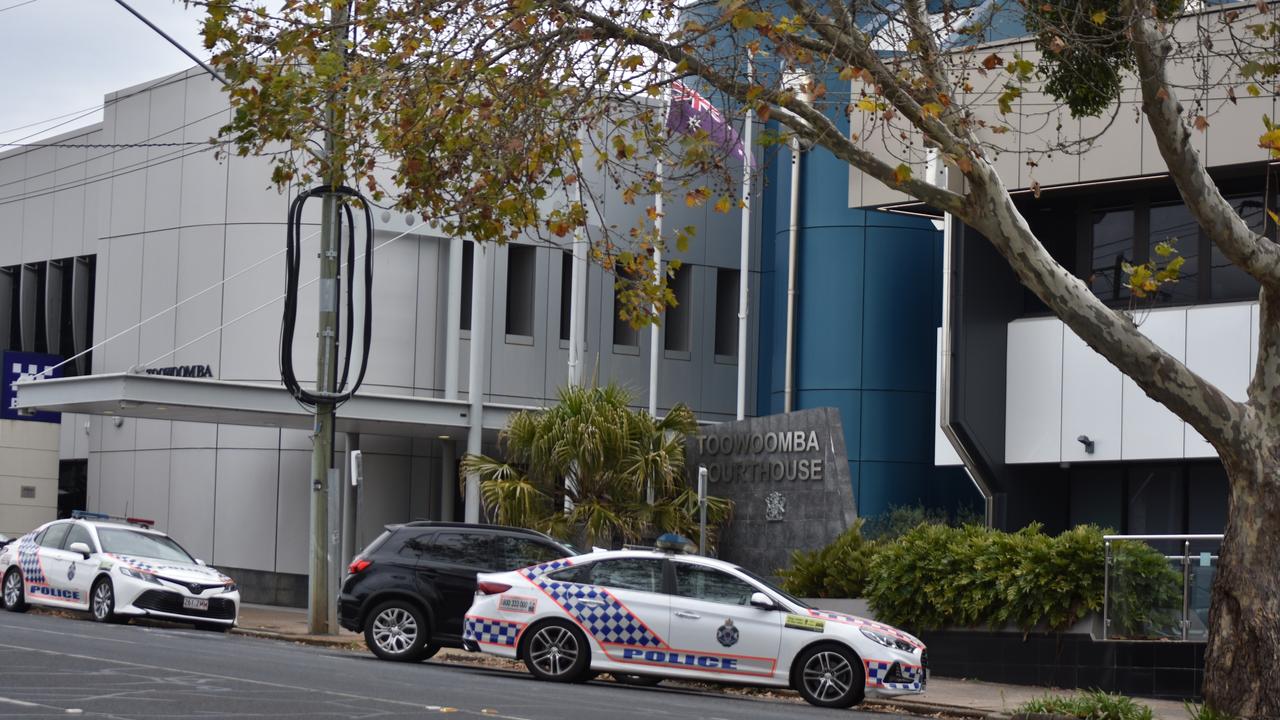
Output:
(293, 262)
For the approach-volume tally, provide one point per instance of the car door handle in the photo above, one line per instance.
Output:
(687, 615)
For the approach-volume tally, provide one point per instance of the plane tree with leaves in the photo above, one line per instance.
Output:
(485, 115)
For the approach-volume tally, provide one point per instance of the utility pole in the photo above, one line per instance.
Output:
(323, 476)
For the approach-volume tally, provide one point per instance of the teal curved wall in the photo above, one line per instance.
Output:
(868, 309)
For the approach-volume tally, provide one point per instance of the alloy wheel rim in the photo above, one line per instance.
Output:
(828, 676)
(12, 589)
(553, 650)
(395, 630)
(102, 601)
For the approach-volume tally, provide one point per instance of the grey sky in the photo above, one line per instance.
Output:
(59, 56)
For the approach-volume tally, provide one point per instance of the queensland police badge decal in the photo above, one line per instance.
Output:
(727, 634)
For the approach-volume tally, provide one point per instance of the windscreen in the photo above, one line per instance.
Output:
(139, 544)
(772, 587)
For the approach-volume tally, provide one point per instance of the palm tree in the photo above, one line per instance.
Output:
(584, 469)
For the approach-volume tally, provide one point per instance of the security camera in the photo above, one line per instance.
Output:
(1086, 442)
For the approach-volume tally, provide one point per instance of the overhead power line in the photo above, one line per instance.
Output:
(118, 146)
(173, 42)
(16, 5)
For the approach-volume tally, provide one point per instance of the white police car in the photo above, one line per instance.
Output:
(664, 614)
(116, 568)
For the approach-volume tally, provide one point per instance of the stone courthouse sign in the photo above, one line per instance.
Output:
(788, 477)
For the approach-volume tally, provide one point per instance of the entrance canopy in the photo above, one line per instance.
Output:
(159, 397)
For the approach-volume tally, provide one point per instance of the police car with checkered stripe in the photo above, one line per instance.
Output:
(662, 613)
(116, 568)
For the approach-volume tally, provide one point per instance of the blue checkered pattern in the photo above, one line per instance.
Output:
(546, 567)
(29, 560)
(597, 611)
(494, 632)
(877, 670)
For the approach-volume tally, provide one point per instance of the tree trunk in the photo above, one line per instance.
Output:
(1242, 661)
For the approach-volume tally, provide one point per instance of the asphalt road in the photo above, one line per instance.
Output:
(55, 666)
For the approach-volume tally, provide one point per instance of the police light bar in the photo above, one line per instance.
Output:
(673, 543)
(87, 515)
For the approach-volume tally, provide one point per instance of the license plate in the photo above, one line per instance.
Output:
(195, 604)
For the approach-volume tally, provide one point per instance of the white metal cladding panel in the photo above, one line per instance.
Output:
(159, 293)
(191, 496)
(153, 434)
(385, 497)
(200, 257)
(1091, 402)
(1218, 341)
(294, 511)
(122, 303)
(69, 201)
(250, 199)
(395, 306)
(245, 509)
(152, 487)
(119, 437)
(13, 170)
(249, 345)
(1033, 391)
(37, 210)
(429, 335)
(248, 437)
(115, 483)
(1150, 431)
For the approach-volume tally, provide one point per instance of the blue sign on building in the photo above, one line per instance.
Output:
(17, 366)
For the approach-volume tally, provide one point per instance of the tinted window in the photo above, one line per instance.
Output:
(78, 534)
(141, 544)
(1112, 245)
(518, 552)
(470, 549)
(411, 544)
(54, 536)
(702, 583)
(576, 574)
(1229, 282)
(1173, 224)
(628, 574)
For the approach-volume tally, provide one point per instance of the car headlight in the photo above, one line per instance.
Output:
(887, 640)
(229, 586)
(138, 574)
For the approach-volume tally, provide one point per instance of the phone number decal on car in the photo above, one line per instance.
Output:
(514, 603)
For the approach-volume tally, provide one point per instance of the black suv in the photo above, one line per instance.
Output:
(409, 590)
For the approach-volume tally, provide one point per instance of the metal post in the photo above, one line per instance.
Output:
(655, 336)
(479, 355)
(355, 472)
(322, 474)
(1186, 588)
(793, 232)
(1106, 590)
(744, 259)
(702, 509)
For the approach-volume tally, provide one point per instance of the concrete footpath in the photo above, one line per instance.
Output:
(944, 697)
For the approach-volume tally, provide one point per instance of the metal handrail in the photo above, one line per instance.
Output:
(1185, 557)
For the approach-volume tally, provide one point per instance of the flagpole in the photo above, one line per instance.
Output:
(655, 335)
(744, 277)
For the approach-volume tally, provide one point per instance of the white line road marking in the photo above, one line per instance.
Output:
(22, 703)
(231, 678)
(65, 634)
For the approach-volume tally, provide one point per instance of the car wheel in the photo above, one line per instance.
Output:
(637, 680)
(13, 591)
(102, 602)
(430, 651)
(830, 676)
(556, 651)
(397, 630)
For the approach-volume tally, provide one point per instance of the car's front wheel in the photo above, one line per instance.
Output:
(830, 676)
(102, 602)
(14, 600)
(397, 630)
(556, 651)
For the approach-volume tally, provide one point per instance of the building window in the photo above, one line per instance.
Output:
(623, 333)
(1111, 247)
(678, 318)
(1226, 280)
(566, 294)
(727, 311)
(1173, 224)
(468, 267)
(522, 265)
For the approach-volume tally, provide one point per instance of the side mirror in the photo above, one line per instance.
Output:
(82, 548)
(199, 562)
(762, 601)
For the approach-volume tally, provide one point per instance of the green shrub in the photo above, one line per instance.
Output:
(1204, 712)
(837, 570)
(1095, 705)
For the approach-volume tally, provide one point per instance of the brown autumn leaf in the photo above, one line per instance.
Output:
(992, 61)
(1201, 123)
(1035, 188)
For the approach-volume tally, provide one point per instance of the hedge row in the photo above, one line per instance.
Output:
(935, 576)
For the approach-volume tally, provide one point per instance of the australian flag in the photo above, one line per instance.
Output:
(691, 113)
